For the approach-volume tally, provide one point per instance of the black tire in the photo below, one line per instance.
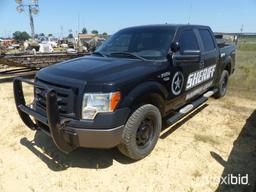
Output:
(141, 132)
(223, 85)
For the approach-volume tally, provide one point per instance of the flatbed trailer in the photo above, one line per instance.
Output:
(37, 61)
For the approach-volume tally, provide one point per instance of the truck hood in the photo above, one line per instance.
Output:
(93, 69)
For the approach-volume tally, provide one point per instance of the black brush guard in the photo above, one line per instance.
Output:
(64, 139)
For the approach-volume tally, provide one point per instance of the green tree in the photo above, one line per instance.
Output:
(105, 34)
(95, 32)
(50, 35)
(84, 30)
(41, 35)
(21, 36)
(70, 36)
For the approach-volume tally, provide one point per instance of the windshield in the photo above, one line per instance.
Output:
(149, 43)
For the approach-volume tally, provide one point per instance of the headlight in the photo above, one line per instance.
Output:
(94, 103)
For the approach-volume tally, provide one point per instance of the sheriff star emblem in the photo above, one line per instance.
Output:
(177, 83)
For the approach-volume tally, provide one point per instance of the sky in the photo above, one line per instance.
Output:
(58, 17)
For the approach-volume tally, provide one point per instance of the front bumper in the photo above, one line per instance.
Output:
(105, 131)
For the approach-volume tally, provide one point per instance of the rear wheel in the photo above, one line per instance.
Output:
(223, 83)
(141, 132)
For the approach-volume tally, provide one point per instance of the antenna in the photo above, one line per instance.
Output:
(189, 14)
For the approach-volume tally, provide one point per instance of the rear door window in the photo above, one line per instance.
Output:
(207, 40)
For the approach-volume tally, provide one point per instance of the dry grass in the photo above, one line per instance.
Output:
(244, 79)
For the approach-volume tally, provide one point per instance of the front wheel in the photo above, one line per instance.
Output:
(223, 84)
(141, 132)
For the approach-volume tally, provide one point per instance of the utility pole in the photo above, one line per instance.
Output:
(61, 32)
(33, 8)
(31, 22)
(78, 36)
(239, 36)
(242, 29)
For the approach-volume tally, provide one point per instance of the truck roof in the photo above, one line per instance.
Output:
(168, 26)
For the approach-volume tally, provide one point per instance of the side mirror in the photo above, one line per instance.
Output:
(175, 47)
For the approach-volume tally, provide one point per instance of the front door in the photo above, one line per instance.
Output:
(186, 61)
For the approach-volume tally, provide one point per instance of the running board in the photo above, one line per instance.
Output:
(190, 107)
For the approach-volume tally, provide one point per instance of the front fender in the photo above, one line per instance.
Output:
(142, 90)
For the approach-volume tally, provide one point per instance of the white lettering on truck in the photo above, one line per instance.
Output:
(200, 76)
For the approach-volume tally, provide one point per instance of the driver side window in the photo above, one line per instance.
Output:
(188, 41)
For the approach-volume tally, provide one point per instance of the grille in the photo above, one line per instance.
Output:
(65, 97)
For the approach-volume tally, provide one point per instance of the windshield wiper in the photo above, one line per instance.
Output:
(128, 54)
(99, 53)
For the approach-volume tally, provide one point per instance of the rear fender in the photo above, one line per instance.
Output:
(227, 64)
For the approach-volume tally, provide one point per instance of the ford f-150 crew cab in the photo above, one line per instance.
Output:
(119, 95)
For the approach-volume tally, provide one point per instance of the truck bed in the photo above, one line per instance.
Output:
(227, 48)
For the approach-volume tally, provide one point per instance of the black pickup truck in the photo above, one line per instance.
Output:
(119, 95)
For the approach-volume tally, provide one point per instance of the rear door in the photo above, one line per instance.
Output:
(210, 52)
